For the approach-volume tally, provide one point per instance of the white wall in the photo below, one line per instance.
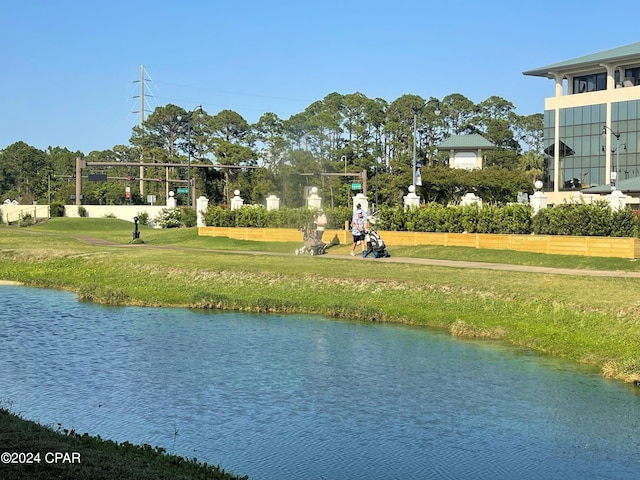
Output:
(123, 212)
(464, 161)
(12, 213)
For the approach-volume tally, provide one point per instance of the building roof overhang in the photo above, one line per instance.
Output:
(629, 54)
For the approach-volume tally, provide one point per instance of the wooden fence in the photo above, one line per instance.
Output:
(549, 244)
(11, 213)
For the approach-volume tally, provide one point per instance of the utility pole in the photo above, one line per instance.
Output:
(141, 122)
(415, 129)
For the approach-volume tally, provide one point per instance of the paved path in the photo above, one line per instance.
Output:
(514, 268)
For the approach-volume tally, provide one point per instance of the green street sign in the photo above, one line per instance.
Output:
(356, 186)
(183, 190)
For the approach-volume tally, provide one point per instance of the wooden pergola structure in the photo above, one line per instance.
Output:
(80, 164)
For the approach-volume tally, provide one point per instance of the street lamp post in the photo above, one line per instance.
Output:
(189, 115)
(614, 174)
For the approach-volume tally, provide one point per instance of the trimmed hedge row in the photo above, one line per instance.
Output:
(580, 219)
(258, 216)
(586, 220)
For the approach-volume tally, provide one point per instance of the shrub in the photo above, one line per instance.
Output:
(552, 221)
(541, 223)
(487, 219)
(251, 216)
(56, 210)
(82, 212)
(470, 218)
(26, 219)
(452, 220)
(599, 222)
(514, 218)
(218, 216)
(168, 218)
(624, 224)
(586, 220)
(390, 218)
(188, 217)
(143, 218)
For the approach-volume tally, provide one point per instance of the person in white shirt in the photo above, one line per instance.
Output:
(357, 230)
(321, 224)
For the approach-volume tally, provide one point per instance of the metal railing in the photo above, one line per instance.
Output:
(34, 212)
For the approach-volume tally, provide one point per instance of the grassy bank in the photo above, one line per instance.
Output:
(84, 456)
(593, 320)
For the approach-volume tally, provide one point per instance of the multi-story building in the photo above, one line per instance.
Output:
(592, 123)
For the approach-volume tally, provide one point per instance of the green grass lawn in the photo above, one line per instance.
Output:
(120, 231)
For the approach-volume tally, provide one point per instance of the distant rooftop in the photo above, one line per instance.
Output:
(622, 55)
(630, 186)
(466, 141)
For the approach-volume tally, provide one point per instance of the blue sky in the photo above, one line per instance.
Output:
(70, 69)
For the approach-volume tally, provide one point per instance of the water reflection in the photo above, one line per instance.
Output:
(299, 397)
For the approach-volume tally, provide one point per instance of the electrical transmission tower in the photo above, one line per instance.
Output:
(144, 77)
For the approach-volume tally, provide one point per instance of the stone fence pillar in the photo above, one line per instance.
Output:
(171, 201)
(471, 199)
(273, 203)
(411, 199)
(314, 201)
(538, 201)
(202, 204)
(617, 200)
(236, 201)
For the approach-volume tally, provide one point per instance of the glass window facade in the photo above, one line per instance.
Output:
(631, 75)
(582, 145)
(590, 83)
(625, 121)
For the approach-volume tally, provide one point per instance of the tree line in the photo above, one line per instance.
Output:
(340, 134)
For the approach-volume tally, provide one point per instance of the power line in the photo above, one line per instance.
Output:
(232, 93)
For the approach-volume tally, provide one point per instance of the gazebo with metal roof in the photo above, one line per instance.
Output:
(465, 151)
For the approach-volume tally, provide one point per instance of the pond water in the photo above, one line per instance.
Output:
(299, 397)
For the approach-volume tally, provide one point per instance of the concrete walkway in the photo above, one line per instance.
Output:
(512, 268)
